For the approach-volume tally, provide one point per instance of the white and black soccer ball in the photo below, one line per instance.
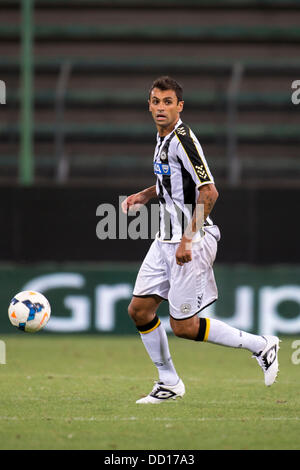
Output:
(29, 311)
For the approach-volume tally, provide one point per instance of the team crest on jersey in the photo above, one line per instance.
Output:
(185, 308)
(162, 169)
(163, 155)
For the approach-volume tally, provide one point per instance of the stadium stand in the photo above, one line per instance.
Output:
(94, 61)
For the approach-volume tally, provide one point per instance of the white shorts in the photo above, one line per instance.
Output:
(188, 288)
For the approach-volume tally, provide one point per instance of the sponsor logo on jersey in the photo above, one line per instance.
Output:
(162, 169)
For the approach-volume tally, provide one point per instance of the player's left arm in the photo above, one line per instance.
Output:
(191, 155)
(208, 195)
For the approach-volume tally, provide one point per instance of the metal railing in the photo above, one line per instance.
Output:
(234, 168)
(62, 158)
(26, 164)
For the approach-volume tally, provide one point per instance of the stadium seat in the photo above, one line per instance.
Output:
(103, 116)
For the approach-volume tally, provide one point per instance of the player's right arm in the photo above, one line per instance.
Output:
(136, 200)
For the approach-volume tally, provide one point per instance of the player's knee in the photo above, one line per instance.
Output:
(132, 311)
(184, 329)
(137, 313)
(180, 331)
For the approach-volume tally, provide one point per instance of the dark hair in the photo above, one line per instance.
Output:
(167, 83)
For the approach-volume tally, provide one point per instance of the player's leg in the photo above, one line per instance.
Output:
(264, 348)
(193, 286)
(142, 310)
(215, 331)
(151, 287)
(192, 289)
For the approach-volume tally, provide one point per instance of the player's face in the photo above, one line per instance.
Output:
(165, 109)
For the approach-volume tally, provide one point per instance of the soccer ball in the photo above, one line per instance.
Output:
(29, 311)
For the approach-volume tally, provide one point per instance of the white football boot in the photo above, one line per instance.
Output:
(162, 392)
(268, 359)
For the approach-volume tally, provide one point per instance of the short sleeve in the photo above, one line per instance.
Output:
(190, 152)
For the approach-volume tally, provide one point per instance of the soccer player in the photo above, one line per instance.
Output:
(179, 264)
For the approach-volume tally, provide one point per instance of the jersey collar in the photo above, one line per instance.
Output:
(177, 124)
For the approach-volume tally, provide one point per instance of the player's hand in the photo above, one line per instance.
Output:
(184, 252)
(133, 202)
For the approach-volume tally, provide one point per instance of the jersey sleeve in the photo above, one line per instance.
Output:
(190, 152)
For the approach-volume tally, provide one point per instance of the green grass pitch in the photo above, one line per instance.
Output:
(79, 392)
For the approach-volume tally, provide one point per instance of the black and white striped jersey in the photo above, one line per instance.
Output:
(181, 169)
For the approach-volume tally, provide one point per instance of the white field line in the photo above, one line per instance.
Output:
(137, 379)
(157, 419)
